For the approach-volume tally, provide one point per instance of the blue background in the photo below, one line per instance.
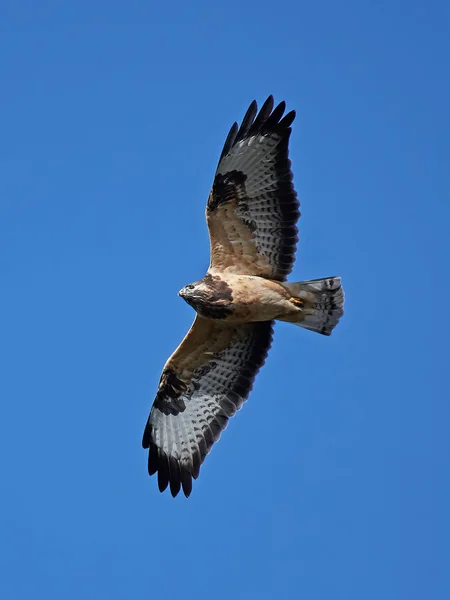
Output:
(333, 481)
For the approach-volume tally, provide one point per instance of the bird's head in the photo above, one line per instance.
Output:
(186, 292)
(190, 292)
(210, 297)
(195, 293)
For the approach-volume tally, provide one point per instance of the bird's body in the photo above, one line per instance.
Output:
(240, 298)
(252, 212)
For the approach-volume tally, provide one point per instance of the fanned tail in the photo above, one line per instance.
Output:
(323, 301)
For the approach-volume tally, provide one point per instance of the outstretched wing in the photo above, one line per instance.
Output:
(203, 384)
(252, 208)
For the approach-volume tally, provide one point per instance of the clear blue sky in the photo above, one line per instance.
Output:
(333, 482)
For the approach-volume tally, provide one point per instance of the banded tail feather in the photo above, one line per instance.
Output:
(323, 301)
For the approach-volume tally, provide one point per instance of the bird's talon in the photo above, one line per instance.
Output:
(297, 302)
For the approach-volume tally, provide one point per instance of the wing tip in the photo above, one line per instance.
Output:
(147, 436)
(170, 472)
(230, 141)
(268, 120)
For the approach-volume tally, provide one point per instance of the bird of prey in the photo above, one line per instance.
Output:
(251, 213)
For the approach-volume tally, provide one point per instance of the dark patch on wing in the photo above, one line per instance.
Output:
(231, 187)
(178, 444)
(168, 398)
(226, 188)
(202, 372)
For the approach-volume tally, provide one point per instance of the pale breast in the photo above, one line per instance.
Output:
(256, 298)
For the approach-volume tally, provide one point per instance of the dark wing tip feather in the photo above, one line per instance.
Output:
(231, 138)
(247, 121)
(268, 120)
(186, 482)
(147, 437)
(174, 476)
(287, 120)
(273, 120)
(262, 116)
(153, 460)
(170, 471)
(163, 471)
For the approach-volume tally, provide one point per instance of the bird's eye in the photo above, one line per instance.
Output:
(190, 287)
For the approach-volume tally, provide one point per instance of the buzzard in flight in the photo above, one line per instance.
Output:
(251, 213)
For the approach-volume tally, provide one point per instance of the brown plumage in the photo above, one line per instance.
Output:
(252, 211)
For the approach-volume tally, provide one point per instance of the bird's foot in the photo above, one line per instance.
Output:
(298, 302)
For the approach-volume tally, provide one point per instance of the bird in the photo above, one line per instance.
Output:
(251, 213)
